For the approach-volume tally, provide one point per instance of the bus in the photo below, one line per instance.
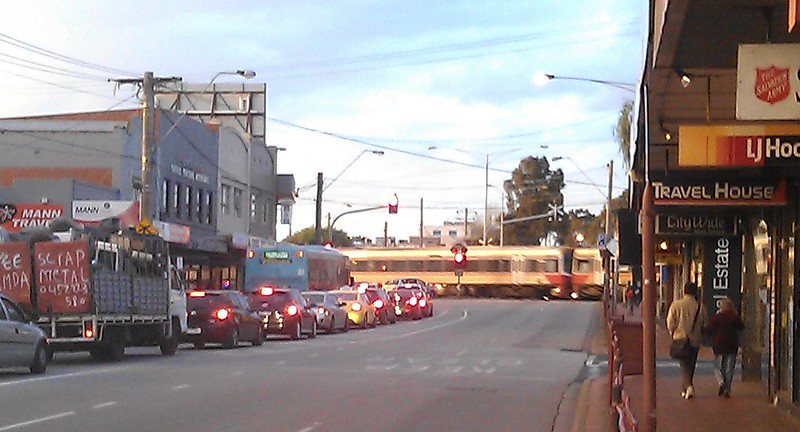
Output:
(302, 267)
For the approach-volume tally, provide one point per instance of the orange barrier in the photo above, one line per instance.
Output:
(622, 417)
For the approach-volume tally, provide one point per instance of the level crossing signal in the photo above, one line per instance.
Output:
(459, 256)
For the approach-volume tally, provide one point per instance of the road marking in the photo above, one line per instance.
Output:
(52, 377)
(310, 428)
(461, 353)
(180, 387)
(237, 373)
(104, 404)
(427, 329)
(39, 420)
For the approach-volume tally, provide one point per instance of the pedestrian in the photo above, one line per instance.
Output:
(724, 328)
(629, 294)
(685, 320)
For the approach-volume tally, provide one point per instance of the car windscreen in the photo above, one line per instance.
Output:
(276, 300)
(405, 293)
(207, 300)
(347, 296)
(315, 298)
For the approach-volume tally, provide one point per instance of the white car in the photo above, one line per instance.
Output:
(22, 343)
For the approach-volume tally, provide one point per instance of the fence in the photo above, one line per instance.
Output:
(627, 335)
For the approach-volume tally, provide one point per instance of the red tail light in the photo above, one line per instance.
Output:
(292, 310)
(378, 304)
(265, 291)
(251, 253)
(422, 302)
(222, 314)
(321, 310)
(412, 301)
(197, 294)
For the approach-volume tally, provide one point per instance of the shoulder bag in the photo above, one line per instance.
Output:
(680, 348)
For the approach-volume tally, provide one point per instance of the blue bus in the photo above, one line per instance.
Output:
(303, 267)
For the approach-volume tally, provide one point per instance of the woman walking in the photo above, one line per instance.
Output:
(685, 320)
(724, 328)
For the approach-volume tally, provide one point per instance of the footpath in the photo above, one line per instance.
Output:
(748, 409)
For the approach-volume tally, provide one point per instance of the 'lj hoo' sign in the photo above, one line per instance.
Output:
(722, 271)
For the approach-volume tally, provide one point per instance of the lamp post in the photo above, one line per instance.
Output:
(363, 152)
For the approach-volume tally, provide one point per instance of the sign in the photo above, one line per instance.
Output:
(768, 82)
(286, 214)
(727, 146)
(61, 270)
(696, 224)
(601, 240)
(89, 212)
(145, 227)
(15, 217)
(733, 192)
(722, 271)
(15, 272)
(173, 233)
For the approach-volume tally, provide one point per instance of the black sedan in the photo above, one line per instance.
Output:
(222, 316)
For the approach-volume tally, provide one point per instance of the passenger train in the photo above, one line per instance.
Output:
(491, 271)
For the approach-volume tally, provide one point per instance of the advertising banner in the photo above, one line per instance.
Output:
(15, 217)
(768, 82)
(62, 277)
(728, 146)
(722, 271)
(91, 212)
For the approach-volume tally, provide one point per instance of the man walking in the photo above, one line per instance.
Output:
(685, 320)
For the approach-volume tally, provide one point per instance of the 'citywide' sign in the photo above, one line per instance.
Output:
(695, 224)
(732, 192)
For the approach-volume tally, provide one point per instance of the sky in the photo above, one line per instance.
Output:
(438, 86)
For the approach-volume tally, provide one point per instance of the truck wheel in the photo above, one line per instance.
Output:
(233, 339)
(98, 353)
(199, 345)
(169, 345)
(116, 348)
(39, 364)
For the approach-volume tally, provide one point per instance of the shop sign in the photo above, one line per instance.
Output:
(734, 192)
(695, 224)
(729, 146)
(92, 212)
(768, 82)
(15, 217)
(722, 271)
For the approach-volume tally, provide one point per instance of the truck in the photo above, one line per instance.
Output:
(98, 292)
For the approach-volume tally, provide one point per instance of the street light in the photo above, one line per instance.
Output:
(541, 79)
(375, 152)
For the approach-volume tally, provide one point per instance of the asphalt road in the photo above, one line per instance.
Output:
(477, 365)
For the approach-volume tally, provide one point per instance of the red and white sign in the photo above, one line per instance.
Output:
(15, 217)
(15, 273)
(768, 84)
(62, 277)
(90, 212)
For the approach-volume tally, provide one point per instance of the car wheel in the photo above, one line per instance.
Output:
(39, 364)
(374, 321)
(199, 345)
(297, 332)
(346, 327)
(233, 339)
(313, 333)
(332, 327)
(259, 339)
(364, 323)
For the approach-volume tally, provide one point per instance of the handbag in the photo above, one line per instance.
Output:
(681, 348)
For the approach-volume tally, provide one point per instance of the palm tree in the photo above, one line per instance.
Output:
(623, 132)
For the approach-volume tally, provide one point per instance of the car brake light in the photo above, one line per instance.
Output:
(197, 294)
(321, 310)
(292, 310)
(412, 301)
(265, 291)
(251, 253)
(222, 314)
(378, 304)
(88, 333)
(422, 302)
(356, 307)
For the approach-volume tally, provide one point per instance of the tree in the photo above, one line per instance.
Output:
(306, 236)
(530, 192)
(623, 132)
(582, 222)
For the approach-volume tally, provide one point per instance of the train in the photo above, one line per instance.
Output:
(491, 271)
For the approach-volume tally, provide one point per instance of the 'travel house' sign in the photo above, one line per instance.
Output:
(734, 192)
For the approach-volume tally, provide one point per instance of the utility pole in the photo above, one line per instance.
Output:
(385, 234)
(421, 231)
(318, 226)
(486, 200)
(466, 223)
(607, 270)
(148, 181)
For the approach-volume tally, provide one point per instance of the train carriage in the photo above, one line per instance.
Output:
(491, 271)
(587, 273)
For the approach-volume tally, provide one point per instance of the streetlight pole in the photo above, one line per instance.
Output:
(486, 200)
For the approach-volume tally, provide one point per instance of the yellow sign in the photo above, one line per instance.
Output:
(146, 227)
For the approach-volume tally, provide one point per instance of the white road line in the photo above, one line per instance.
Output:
(180, 387)
(237, 373)
(310, 428)
(104, 404)
(39, 420)
(461, 353)
(427, 329)
(53, 377)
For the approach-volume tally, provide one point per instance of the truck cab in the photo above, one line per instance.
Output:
(177, 300)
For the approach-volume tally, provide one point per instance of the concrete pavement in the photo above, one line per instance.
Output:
(748, 408)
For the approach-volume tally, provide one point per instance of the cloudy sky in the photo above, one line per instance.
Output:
(438, 86)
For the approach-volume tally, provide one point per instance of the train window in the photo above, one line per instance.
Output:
(583, 266)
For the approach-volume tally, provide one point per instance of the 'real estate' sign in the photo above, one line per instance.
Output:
(733, 192)
(695, 224)
(768, 82)
(722, 271)
(727, 146)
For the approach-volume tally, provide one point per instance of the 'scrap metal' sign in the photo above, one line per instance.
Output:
(62, 277)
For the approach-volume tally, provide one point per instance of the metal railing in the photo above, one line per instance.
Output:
(622, 417)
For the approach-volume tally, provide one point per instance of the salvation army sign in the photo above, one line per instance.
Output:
(768, 82)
